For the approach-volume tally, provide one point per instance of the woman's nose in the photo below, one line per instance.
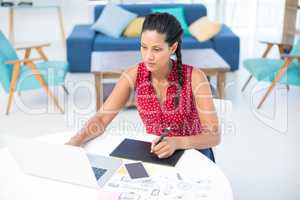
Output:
(149, 56)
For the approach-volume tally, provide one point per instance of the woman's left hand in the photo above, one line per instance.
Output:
(165, 148)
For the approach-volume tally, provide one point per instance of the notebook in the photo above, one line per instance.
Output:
(140, 150)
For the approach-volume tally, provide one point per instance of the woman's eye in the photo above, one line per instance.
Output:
(157, 50)
(143, 47)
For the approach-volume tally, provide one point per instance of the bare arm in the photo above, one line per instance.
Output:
(209, 136)
(111, 107)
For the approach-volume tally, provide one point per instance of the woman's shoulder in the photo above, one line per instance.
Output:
(198, 77)
(131, 71)
(188, 67)
(195, 71)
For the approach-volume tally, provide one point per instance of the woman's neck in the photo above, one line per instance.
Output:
(162, 75)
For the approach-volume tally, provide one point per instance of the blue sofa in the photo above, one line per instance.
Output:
(83, 40)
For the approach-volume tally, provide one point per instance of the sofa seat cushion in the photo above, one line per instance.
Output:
(104, 43)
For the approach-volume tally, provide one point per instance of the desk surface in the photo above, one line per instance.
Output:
(16, 185)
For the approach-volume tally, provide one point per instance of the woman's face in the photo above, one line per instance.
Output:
(155, 50)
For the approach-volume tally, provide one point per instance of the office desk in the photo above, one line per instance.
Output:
(16, 185)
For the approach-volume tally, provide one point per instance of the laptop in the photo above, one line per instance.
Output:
(63, 162)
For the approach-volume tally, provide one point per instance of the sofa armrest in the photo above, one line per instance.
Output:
(227, 44)
(79, 48)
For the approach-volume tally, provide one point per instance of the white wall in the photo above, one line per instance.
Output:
(42, 24)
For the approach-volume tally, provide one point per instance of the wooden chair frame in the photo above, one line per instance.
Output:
(30, 64)
(288, 59)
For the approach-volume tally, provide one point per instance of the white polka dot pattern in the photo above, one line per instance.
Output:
(183, 119)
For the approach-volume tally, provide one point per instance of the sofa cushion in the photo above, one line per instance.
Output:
(104, 43)
(134, 28)
(203, 29)
(113, 20)
(178, 13)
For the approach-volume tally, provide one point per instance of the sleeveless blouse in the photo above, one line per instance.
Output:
(183, 120)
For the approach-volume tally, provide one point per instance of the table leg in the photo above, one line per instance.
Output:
(62, 30)
(11, 26)
(99, 90)
(221, 84)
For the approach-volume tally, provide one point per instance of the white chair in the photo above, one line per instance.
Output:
(223, 108)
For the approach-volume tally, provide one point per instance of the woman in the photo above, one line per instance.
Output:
(169, 94)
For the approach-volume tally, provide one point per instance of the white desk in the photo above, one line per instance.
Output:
(16, 185)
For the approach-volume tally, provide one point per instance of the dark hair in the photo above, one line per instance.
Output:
(167, 24)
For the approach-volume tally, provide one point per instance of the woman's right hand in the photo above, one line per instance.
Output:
(74, 141)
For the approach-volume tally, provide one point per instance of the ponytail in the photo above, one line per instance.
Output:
(179, 72)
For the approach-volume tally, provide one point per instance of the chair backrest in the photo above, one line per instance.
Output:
(7, 52)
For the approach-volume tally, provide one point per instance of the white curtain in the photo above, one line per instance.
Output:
(253, 21)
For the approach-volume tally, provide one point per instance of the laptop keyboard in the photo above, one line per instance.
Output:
(99, 172)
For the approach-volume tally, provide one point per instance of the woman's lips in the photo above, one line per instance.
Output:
(150, 64)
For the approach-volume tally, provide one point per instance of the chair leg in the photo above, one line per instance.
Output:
(65, 89)
(266, 94)
(41, 53)
(246, 83)
(13, 84)
(44, 85)
(266, 52)
(278, 76)
(27, 53)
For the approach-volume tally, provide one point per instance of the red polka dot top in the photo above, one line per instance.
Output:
(183, 119)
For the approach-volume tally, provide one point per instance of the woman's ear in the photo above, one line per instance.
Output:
(174, 47)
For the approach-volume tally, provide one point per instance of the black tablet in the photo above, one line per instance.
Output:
(140, 150)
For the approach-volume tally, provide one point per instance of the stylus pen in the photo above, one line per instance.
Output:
(163, 135)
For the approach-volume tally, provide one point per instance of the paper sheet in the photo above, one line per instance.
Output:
(162, 185)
